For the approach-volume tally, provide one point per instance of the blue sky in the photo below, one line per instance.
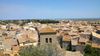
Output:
(29, 9)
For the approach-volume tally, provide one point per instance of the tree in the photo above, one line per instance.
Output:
(47, 50)
(90, 51)
(54, 50)
(32, 51)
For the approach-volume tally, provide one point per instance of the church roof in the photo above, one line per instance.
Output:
(47, 30)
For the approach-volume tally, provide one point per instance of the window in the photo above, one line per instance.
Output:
(50, 39)
(46, 40)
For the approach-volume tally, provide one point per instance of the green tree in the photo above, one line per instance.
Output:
(90, 51)
(32, 51)
(47, 50)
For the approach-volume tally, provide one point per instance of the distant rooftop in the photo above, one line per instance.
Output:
(98, 31)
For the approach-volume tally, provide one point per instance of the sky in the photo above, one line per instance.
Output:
(49, 9)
